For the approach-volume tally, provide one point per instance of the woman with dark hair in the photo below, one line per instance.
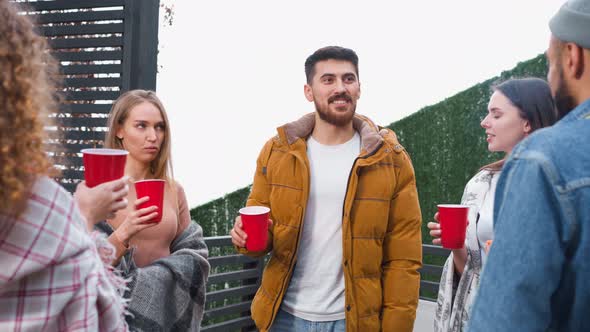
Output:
(54, 276)
(516, 108)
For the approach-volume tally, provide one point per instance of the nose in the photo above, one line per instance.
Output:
(151, 135)
(340, 87)
(485, 123)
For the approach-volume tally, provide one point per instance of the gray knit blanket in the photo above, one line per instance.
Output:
(169, 294)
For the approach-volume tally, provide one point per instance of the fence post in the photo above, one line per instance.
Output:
(140, 58)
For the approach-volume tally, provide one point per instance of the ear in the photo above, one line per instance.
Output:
(574, 60)
(527, 128)
(359, 97)
(120, 133)
(308, 92)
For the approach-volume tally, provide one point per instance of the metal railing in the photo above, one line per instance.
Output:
(235, 279)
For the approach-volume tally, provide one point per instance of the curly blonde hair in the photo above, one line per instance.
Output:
(27, 96)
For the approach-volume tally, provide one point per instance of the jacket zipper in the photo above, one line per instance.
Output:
(350, 173)
(344, 209)
(291, 265)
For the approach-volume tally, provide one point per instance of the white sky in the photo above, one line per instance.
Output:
(233, 70)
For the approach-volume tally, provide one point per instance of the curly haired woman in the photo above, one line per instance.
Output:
(54, 275)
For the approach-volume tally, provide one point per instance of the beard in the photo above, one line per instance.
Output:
(336, 118)
(564, 101)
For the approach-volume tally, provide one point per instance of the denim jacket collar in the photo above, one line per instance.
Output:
(581, 111)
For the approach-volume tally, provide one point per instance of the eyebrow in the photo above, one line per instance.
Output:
(145, 121)
(334, 75)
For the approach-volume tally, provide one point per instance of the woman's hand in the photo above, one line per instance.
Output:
(459, 255)
(103, 201)
(136, 221)
(435, 231)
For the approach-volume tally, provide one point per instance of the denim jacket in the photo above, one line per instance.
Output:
(537, 277)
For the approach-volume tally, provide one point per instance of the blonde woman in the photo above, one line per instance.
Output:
(161, 257)
(54, 276)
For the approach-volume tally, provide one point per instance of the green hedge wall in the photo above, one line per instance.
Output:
(445, 141)
(217, 217)
(447, 144)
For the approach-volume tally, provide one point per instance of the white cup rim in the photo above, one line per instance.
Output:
(453, 206)
(254, 210)
(150, 180)
(105, 152)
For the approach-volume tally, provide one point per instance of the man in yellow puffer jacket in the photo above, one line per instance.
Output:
(345, 240)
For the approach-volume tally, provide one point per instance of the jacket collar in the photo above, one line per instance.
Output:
(582, 111)
(371, 136)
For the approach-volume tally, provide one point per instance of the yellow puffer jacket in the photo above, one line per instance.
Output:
(381, 235)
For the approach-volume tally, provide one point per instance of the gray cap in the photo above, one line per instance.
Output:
(572, 23)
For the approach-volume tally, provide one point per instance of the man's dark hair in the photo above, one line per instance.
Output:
(328, 53)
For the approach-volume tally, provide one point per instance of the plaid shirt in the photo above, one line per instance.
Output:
(52, 277)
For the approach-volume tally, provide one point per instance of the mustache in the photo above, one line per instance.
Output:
(344, 96)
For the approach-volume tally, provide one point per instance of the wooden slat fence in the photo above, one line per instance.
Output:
(104, 47)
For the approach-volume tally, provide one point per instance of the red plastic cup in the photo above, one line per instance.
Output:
(154, 188)
(103, 165)
(453, 225)
(255, 222)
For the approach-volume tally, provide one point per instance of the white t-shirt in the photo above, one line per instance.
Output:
(316, 290)
(485, 224)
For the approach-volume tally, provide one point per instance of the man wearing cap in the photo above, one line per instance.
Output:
(538, 272)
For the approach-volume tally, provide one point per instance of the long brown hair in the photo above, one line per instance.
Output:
(161, 166)
(27, 96)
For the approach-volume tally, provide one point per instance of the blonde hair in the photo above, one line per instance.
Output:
(27, 95)
(161, 166)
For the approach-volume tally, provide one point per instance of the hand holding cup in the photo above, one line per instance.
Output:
(453, 225)
(250, 229)
(136, 221)
(102, 201)
(238, 236)
(154, 189)
(435, 231)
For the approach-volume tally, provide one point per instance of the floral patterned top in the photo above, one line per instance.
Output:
(456, 293)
